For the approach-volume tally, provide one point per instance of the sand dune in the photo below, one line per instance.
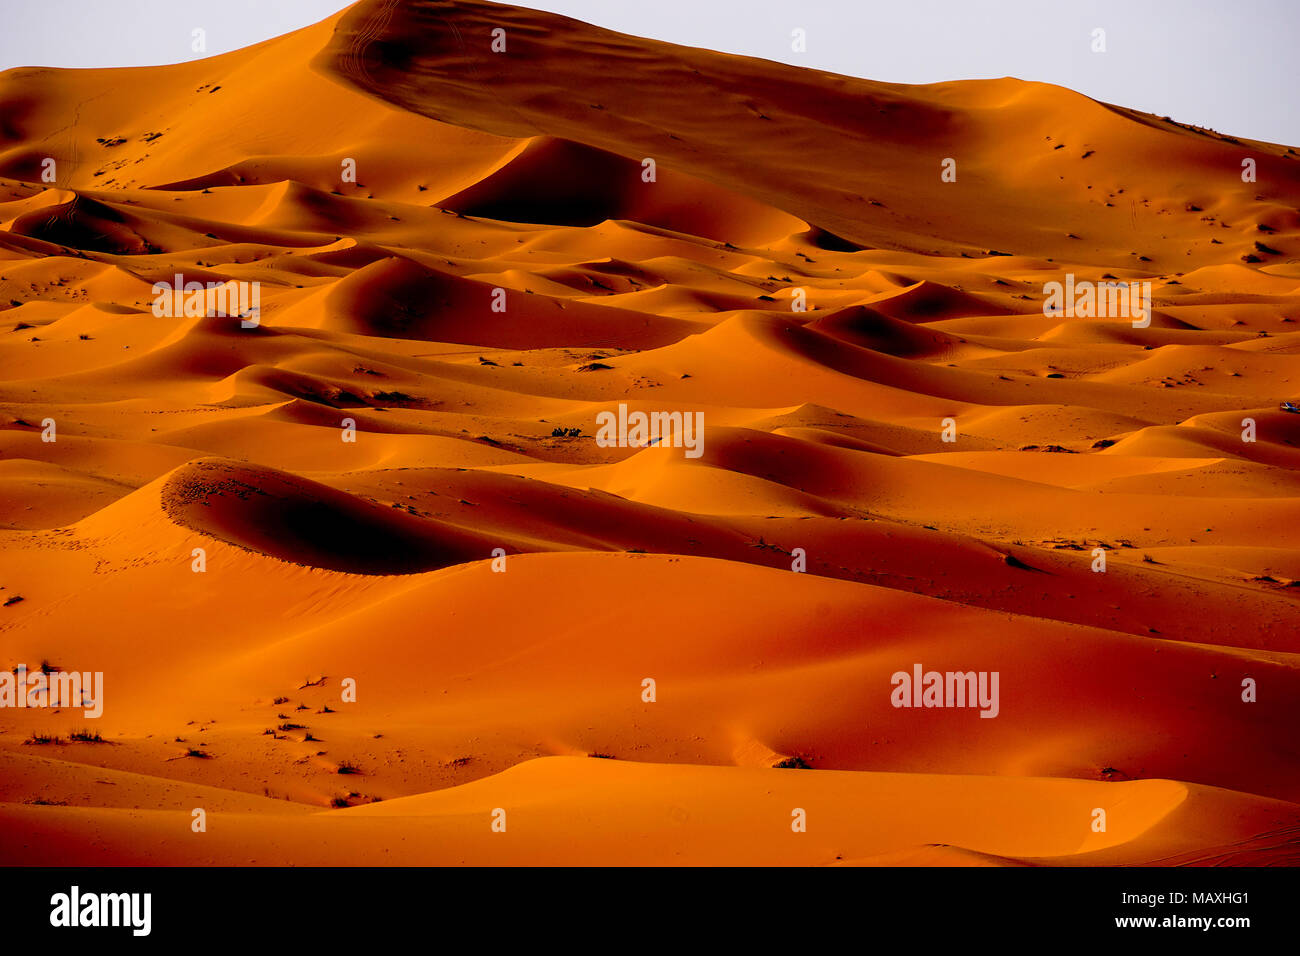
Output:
(654, 814)
(398, 478)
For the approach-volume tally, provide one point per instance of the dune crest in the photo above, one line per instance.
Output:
(361, 567)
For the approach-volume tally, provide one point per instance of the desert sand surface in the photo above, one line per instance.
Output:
(431, 619)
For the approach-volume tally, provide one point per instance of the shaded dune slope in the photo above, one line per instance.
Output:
(393, 476)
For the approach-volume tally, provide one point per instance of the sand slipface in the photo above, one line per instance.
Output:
(447, 396)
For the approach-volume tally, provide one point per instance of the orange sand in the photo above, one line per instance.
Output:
(480, 689)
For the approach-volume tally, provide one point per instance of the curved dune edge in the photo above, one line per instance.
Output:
(436, 654)
(304, 522)
(499, 585)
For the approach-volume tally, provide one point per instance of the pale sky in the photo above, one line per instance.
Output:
(1232, 65)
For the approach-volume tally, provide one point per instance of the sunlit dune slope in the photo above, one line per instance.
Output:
(368, 560)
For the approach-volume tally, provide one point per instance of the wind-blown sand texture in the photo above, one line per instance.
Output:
(479, 689)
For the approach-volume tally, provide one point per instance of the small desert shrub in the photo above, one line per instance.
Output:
(792, 763)
(40, 740)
